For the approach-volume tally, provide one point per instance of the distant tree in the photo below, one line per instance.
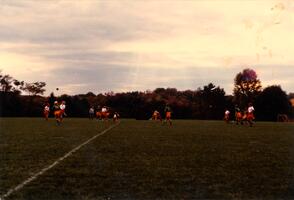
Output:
(77, 106)
(90, 94)
(18, 86)
(6, 83)
(33, 107)
(271, 102)
(246, 88)
(10, 102)
(167, 93)
(9, 84)
(189, 95)
(159, 91)
(212, 102)
(91, 98)
(35, 88)
(171, 91)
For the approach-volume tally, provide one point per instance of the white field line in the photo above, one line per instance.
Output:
(30, 179)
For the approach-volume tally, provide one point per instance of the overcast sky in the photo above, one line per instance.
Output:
(100, 46)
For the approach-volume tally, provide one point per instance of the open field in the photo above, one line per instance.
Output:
(147, 160)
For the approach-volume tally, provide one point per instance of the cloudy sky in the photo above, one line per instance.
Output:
(128, 45)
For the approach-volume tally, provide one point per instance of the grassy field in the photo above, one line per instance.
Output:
(147, 160)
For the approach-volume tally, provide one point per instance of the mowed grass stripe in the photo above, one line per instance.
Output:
(28, 145)
(192, 160)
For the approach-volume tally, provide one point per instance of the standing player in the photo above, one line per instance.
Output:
(57, 112)
(115, 117)
(62, 109)
(46, 111)
(104, 109)
(91, 112)
(98, 113)
(238, 115)
(155, 115)
(104, 113)
(227, 116)
(250, 115)
(168, 112)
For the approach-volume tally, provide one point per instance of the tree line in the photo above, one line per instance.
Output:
(20, 99)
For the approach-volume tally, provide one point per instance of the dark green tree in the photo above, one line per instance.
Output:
(212, 102)
(246, 87)
(35, 88)
(6, 83)
(9, 84)
(10, 99)
(271, 102)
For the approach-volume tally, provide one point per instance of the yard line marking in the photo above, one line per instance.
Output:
(30, 179)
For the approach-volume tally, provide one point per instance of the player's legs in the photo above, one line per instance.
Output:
(250, 118)
(57, 116)
(168, 118)
(46, 115)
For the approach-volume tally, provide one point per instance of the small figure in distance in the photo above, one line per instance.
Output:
(168, 113)
(62, 108)
(57, 112)
(46, 111)
(91, 113)
(250, 114)
(227, 116)
(104, 113)
(238, 115)
(116, 117)
(156, 116)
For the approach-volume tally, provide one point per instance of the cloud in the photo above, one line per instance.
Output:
(137, 45)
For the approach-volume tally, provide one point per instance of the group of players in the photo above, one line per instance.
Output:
(167, 110)
(58, 110)
(102, 114)
(247, 116)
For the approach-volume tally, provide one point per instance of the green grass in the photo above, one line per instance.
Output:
(146, 160)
